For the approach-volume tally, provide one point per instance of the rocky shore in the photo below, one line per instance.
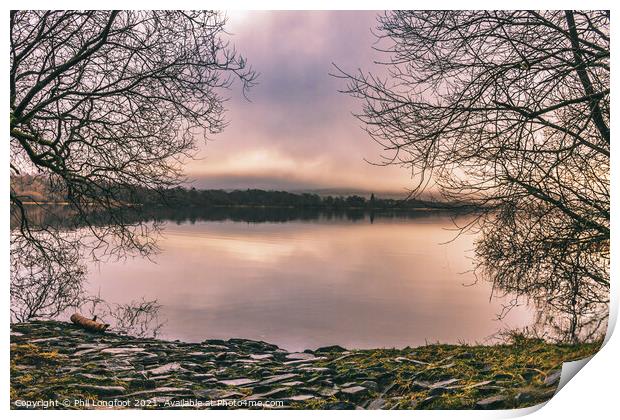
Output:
(57, 365)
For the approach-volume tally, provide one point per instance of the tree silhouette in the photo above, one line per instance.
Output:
(107, 103)
(509, 110)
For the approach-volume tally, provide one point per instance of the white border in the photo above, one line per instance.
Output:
(592, 395)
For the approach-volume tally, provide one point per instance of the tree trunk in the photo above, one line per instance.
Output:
(88, 324)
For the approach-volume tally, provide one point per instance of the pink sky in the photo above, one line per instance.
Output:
(297, 131)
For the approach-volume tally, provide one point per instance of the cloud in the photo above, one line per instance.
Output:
(297, 130)
(274, 169)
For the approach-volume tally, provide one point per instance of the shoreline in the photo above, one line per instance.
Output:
(56, 362)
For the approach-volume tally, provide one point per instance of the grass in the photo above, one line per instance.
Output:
(43, 379)
(516, 371)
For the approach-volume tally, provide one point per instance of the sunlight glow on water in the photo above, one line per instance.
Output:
(307, 284)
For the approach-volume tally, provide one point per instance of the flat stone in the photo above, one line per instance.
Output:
(261, 356)
(271, 394)
(442, 390)
(102, 390)
(238, 382)
(478, 384)
(466, 355)
(215, 341)
(161, 399)
(231, 395)
(91, 376)
(301, 397)
(167, 389)
(315, 369)
(122, 350)
(445, 359)
(300, 361)
(553, 378)
(490, 403)
(408, 360)
(328, 392)
(227, 355)
(199, 355)
(528, 375)
(330, 349)
(90, 350)
(485, 368)
(345, 356)
(300, 356)
(372, 385)
(524, 397)
(489, 389)
(110, 366)
(376, 404)
(212, 394)
(354, 390)
(292, 383)
(278, 378)
(443, 384)
(85, 346)
(341, 405)
(426, 401)
(215, 347)
(161, 377)
(419, 386)
(160, 390)
(45, 340)
(202, 376)
(388, 389)
(167, 368)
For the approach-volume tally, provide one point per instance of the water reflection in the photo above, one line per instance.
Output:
(331, 279)
(62, 216)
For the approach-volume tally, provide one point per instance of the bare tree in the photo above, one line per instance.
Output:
(47, 279)
(104, 104)
(508, 110)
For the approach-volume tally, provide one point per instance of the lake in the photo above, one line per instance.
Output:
(358, 282)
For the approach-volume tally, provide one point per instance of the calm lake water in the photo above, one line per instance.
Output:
(305, 284)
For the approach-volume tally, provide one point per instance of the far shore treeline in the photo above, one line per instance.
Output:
(36, 191)
(270, 198)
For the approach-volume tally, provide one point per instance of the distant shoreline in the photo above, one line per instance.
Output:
(249, 198)
(267, 206)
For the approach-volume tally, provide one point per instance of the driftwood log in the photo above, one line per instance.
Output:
(88, 324)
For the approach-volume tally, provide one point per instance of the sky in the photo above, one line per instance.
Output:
(296, 131)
